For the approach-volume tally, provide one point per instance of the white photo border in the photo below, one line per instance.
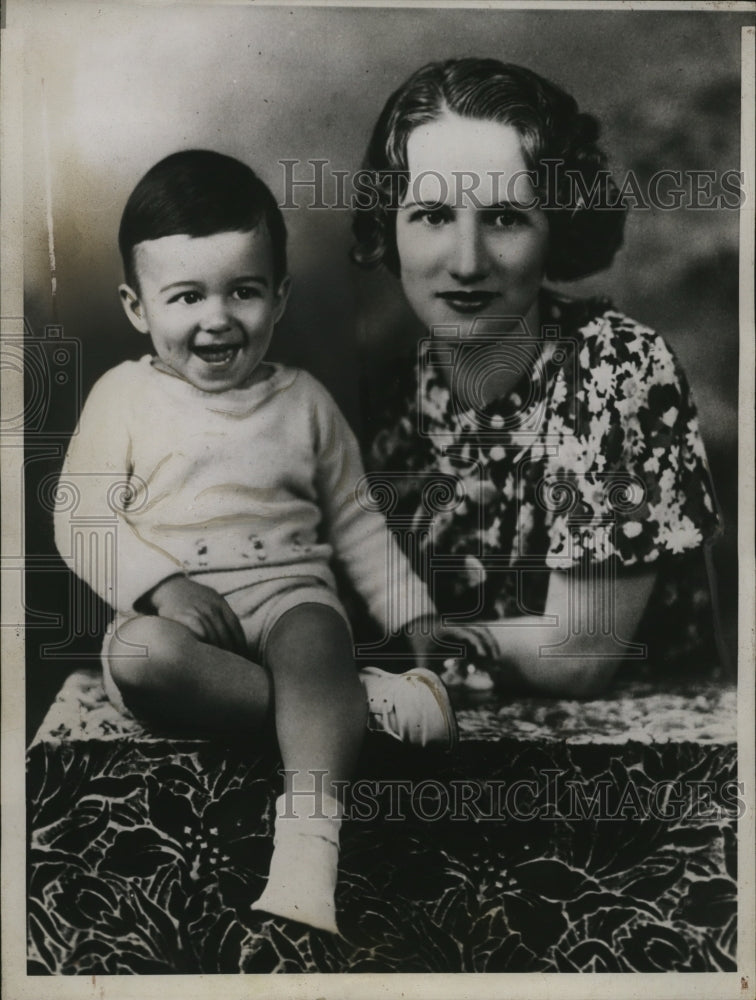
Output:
(16, 984)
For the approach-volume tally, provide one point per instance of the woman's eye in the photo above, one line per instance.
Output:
(434, 217)
(505, 218)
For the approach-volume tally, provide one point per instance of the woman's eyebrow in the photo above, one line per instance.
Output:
(431, 205)
(506, 204)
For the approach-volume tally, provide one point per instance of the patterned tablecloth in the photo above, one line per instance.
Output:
(560, 836)
(634, 712)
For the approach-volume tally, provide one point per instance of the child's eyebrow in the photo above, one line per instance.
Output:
(241, 279)
(259, 279)
(180, 284)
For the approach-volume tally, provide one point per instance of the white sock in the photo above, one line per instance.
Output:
(304, 867)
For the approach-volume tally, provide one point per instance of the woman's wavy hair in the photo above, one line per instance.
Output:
(584, 234)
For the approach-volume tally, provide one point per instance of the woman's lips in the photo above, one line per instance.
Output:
(467, 302)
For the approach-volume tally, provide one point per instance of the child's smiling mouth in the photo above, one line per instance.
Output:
(217, 354)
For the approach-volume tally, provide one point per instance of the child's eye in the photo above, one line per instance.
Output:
(188, 298)
(247, 292)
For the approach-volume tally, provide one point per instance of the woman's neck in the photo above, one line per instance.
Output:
(500, 380)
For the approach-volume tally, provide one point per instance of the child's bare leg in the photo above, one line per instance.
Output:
(181, 680)
(320, 706)
(320, 713)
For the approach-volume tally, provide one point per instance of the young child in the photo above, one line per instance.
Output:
(233, 482)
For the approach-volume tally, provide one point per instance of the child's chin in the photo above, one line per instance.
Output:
(223, 381)
(217, 384)
(210, 381)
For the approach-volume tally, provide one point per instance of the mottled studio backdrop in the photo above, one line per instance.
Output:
(112, 88)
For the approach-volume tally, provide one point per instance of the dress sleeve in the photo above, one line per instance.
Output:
(636, 466)
(371, 557)
(96, 490)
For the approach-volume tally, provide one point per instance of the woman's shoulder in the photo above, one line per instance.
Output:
(623, 373)
(604, 335)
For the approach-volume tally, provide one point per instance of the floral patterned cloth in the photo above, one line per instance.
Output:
(145, 849)
(594, 458)
(144, 858)
(633, 711)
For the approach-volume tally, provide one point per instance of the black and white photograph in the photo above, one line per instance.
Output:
(430, 327)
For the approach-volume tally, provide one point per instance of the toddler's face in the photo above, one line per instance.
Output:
(209, 303)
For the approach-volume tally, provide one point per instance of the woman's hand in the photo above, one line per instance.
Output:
(430, 642)
(479, 645)
(201, 609)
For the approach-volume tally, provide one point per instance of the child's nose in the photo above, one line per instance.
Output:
(215, 314)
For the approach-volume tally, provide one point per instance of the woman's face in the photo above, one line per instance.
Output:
(471, 243)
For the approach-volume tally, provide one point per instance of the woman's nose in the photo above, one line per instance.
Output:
(468, 263)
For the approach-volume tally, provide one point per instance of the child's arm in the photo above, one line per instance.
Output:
(97, 537)
(375, 564)
(96, 492)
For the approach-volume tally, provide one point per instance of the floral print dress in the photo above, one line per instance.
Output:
(593, 463)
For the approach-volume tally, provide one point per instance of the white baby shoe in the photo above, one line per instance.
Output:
(413, 707)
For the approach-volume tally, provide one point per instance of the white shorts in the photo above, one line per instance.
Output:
(258, 606)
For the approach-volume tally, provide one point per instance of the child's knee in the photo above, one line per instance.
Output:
(309, 632)
(143, 652)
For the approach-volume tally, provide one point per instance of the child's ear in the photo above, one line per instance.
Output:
(281, 298)
(132, 306)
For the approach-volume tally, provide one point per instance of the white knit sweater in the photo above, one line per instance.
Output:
(162, 478)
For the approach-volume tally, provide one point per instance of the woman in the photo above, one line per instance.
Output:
(572, 499)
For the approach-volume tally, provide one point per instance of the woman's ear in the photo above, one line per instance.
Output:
(281, 297)
(132, 306)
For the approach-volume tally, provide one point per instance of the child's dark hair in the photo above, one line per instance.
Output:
(198, 192)
(551, 128)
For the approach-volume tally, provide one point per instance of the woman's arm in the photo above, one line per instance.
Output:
(579, 653)
(574, 648)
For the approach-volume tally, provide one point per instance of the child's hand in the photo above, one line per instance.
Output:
(421, 635)
(202, 610)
